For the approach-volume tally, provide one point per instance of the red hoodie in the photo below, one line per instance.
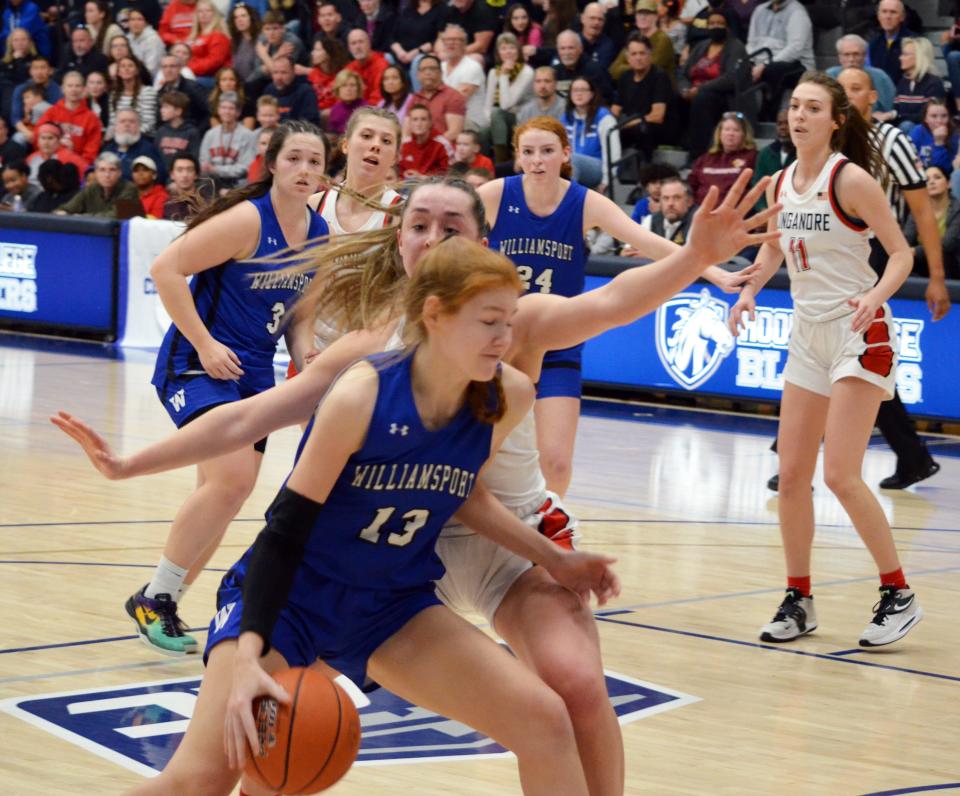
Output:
(81, 124)
(153, 200)
(208, 53)
(428, 158)
(177, 21)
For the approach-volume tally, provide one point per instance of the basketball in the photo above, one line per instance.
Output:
(310, 743)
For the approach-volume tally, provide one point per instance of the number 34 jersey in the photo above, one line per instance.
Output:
(242, 303)
(379, 525)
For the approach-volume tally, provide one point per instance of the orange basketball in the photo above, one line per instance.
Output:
(310, 743)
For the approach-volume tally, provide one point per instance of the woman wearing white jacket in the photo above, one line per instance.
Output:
(509, 85)
(145, 42)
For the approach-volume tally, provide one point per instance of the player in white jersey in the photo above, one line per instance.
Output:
(548, 627)
(841, 361)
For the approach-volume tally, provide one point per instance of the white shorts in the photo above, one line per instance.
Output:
(480, 572)
(822, 353)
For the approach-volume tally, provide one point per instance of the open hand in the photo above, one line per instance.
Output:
(98, 450)
(745, 304)
(866, 307)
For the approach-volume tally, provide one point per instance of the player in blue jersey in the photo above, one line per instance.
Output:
(344, 570)
(220, 348)
(539, 219)
(552, 633)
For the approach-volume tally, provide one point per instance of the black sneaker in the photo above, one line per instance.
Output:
(158, 624)
(902, 480)
(794, 618)
(774, 483)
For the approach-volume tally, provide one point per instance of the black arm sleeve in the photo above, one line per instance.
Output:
(276, 556)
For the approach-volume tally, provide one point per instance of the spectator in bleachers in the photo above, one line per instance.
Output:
(329, 57)
(268, 113)
(41, 74)
(739, 13)
(546, 101)
(733, 150)
(708, 81)
(227, 81)
(184, 191)
(447, 105)
(919, 83)
(946, 210)
(256, 172)
(668, 21)
(145, 42)
(276, 41)
(883, 52)
(243, 25)
(176, 134)
(934, 138)
(467, 155)
(367, 63)
(418, 26)
(172, 80)
(529, 34)
(105, 193)
(17, 186)
(570, 63)
(119, 47)
(97, 93)
(852, 52)
(379, 21)
(396, 92)
(129, 143)
(464, 74)
(509, 86)
(478, 21)
(80, 124)
(15, 66)
(60, 183)
(99, 21)
(296, 99)
(777, 155)
(661, 48)
(182, 52)
(10, 150)
(177, 21)
(950, 47)
(588, 123)
(783, 27)
(651, 177)
(128, 92)
(153, 196)
(421, 155)
(34, 106)
(210, 48)
(597, 46)
(27, 15)
(81, 56)
(50, 147)
(348, 87)
(672, 221)
(643, 95)
(560, 16)
(227, 150)
(478, 177)
(329, 22)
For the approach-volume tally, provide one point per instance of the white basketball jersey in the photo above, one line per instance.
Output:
(327, 208)
(827, 251)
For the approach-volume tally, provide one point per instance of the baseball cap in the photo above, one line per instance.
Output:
(144, 160)
(646, 5)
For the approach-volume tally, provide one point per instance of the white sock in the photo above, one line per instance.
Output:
(167, 579)
(182, 591)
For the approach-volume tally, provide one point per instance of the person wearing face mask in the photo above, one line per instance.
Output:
(708, 81)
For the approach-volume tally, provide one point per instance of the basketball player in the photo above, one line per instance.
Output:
(552, 633)
(220, 348)
(344, 569)
(841, 362)
(538, 219)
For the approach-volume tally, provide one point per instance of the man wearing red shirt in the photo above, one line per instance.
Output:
(467, 152)
(366, 63)
(152, 196)
(447, 105)
(421, 155)
(176, 23)
(81, 125)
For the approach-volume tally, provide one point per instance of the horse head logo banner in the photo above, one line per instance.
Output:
(692, 337)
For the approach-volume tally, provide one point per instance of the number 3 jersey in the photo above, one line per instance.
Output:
(379, 524)
(242, 303)
(827, 252)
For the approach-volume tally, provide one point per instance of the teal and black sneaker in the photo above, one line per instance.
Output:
(158, 625)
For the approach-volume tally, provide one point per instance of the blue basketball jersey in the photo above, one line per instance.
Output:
(242, 303)
(379, 525)
(549, 251)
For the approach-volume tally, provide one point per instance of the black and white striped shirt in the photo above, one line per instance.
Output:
(906, 171)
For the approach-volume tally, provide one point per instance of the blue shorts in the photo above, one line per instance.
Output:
(187, 397)
(339, 624)
(560, 375)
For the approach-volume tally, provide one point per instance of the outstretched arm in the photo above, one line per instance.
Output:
(718, 232)
(599, 211)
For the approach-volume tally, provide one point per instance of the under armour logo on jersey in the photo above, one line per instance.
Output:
(272, 241)
(401, 430)
(222, 616)
(513, 209)
(178, 400)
